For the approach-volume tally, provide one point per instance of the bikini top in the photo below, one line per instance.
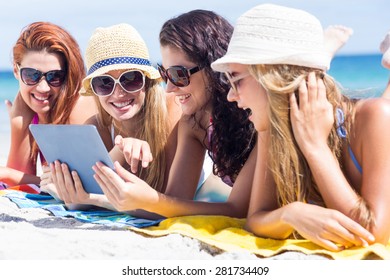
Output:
(343, 134)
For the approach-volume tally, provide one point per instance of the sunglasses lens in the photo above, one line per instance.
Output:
(162, 73)
(55, 78)
(102, 85)
(30, 76)
(178, 76)
(132, 81)
(231, 82)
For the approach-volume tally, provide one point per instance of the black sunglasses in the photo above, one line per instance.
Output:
(177, 75)
(130, 81)
(31, 76)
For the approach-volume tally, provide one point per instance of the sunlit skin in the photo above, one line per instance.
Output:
(250, 95)
(40, 97)
(194, 96)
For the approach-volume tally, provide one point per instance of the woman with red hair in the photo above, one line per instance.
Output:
(48, 64)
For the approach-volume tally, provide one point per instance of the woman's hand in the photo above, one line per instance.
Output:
(134, 151)
(312, 119)
(68, 185)
(46, 183)
(19, 108)
(327, 227)
(124, 190)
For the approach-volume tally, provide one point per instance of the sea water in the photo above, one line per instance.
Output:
(360, 74)
(357, 74)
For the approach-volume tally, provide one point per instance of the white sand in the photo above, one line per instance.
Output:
(34, 234)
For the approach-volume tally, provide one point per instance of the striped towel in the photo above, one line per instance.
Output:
(95, 216)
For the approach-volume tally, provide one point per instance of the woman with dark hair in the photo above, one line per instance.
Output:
(210, 124)
(195, 40)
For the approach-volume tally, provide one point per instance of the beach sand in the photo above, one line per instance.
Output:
(35, 234)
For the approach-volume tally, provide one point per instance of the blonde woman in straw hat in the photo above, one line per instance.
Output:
(323, 165)
(131, 103)
(49, 68)
(209, 124)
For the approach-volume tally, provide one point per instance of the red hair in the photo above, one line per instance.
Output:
(46, 36)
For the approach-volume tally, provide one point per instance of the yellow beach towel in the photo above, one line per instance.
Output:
(228, 234)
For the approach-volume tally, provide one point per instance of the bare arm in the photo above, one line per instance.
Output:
(357, 196)
(128, 193)
(20, 118)
(13, 177)
(372, 149)
(187, 163)
(325, 227)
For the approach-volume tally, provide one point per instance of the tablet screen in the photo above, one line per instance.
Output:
(79, 146)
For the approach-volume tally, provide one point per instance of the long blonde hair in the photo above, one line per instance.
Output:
(291, 172)
(153, 128)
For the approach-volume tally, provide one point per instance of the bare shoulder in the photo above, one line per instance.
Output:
(373, 109)
(372, 119)
(194, 126)
(84, 109)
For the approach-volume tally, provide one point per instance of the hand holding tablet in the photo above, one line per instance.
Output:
(79, 146)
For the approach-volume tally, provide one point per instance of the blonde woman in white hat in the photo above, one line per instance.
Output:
(323, 165)
(131, 103)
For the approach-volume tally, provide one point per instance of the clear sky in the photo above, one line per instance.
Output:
(369, 19)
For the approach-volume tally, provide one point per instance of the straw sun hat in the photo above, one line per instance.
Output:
(115, 48)
(272, 34)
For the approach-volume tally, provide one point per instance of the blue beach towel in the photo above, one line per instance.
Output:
(102, 217)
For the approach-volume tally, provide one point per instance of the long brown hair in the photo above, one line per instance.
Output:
(39, 36)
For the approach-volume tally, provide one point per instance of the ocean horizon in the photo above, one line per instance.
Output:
(360, 74)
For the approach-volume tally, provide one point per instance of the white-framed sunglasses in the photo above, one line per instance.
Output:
(234, 79)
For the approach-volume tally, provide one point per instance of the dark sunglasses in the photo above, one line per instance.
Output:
(177, 75)
(31, 76)
(130, 81)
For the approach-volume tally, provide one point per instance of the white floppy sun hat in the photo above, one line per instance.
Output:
(272, 34)
(116, 47)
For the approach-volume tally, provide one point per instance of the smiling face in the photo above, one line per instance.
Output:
(249, 95)
(40, 97)
(193, 97)
(122, 105)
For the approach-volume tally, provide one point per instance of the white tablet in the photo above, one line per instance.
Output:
(79, 146)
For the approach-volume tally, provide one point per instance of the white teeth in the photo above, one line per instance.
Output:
(41, 98)
(122, 104)
(184, 97)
